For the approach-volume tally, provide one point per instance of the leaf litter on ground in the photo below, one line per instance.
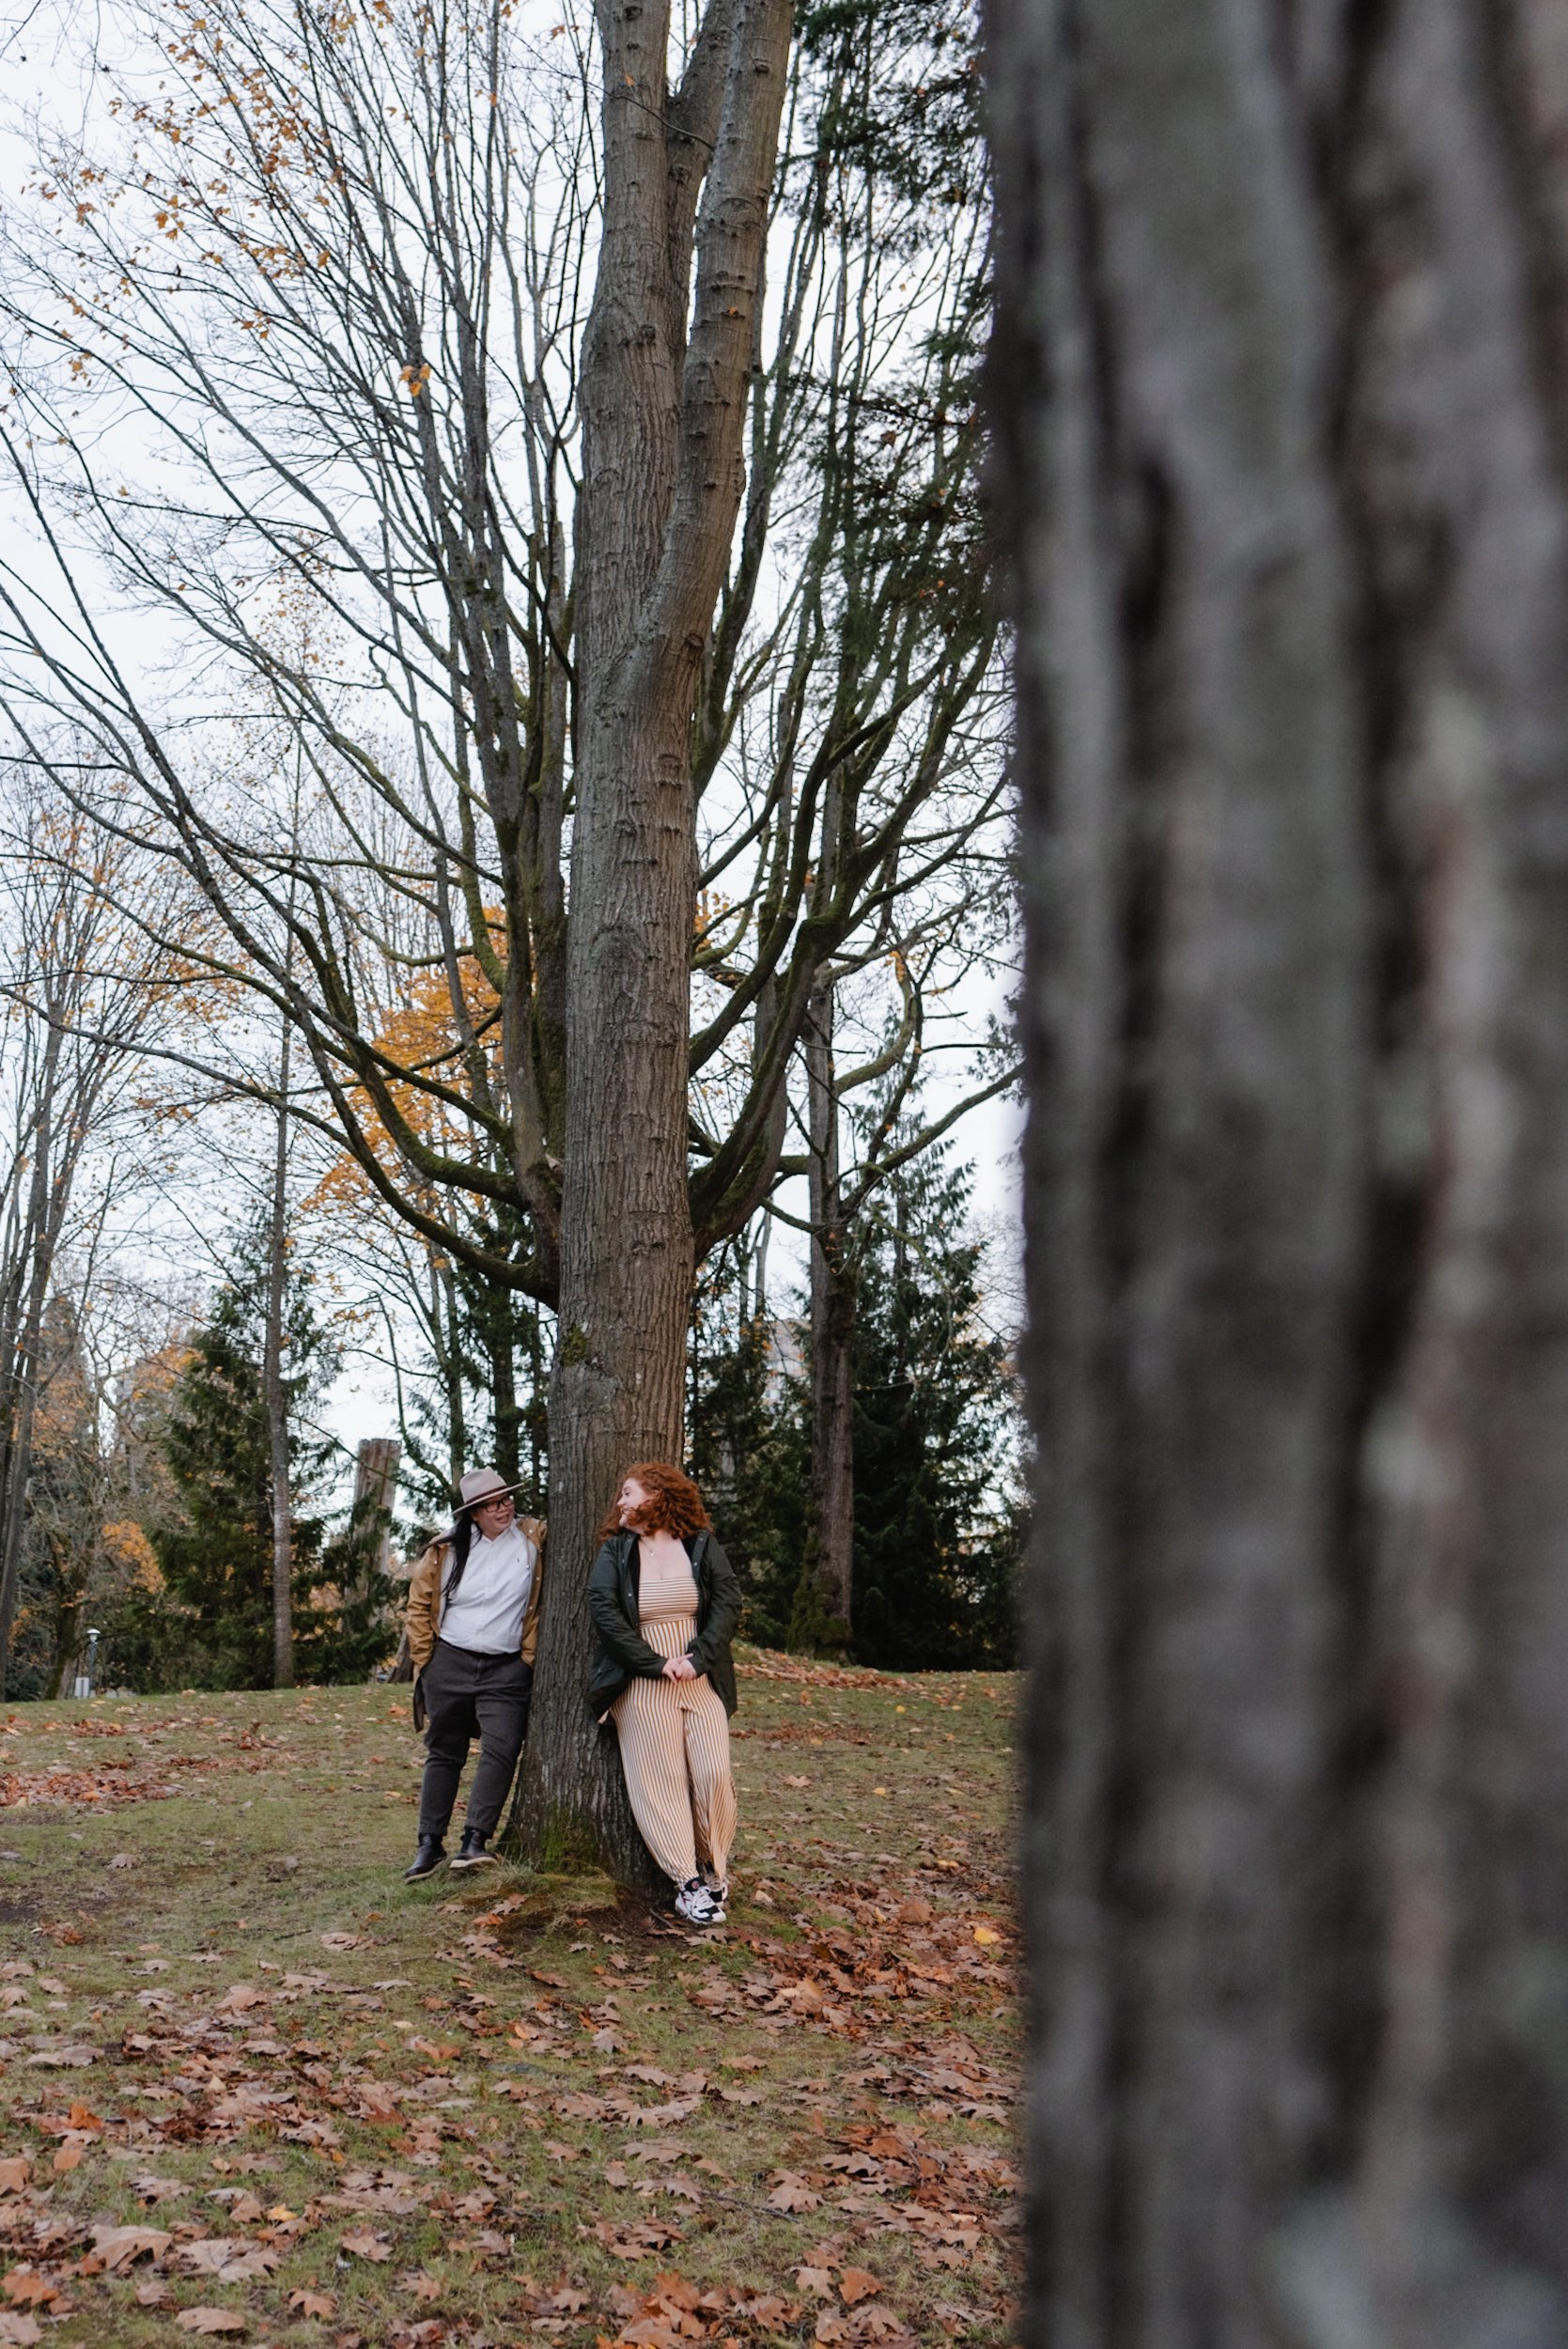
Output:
(840, 2063)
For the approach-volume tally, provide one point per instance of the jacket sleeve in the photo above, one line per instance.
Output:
(423, 1595)
(622, 1640)
(536, 1530)
(724, 1612)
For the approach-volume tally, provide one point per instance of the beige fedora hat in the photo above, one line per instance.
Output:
(482, 1483)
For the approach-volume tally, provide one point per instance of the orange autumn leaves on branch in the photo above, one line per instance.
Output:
(422, 1037)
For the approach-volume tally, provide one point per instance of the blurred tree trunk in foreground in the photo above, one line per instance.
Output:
(1283, 417)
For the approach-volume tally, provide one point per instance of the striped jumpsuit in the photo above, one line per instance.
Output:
(676, 1741)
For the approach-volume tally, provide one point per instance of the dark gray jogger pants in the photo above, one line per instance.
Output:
(467, 1695)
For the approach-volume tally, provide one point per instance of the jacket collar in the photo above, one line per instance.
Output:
(626, 1539)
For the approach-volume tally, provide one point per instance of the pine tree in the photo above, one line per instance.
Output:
(937, 1520)
(938, 1517)
(484, 1402)
(749, 1439)
(212, 1623)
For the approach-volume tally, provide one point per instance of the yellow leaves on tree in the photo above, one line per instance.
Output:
(422, 1037)
(131, 1551)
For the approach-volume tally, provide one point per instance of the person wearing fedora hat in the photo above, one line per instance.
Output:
(473, 1621)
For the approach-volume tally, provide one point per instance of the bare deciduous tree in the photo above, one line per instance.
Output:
(331, 276)
(83, 993)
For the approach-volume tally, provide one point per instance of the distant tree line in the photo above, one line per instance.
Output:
(181, 1582)
(936, 1515)
(569, 843)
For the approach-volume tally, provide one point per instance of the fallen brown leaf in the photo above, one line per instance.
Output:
(367, 2247)
(14, 2172)
(793, 2193)
(210, 2253)
(856, 2283)
(119, 2247)
(636, 2240)
(27, 2289)
(21, 2331)
(768, 2312)
(305, 2303)
(210, 2320)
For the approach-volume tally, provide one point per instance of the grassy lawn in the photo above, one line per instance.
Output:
(255, 2088)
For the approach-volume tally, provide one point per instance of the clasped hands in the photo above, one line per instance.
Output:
(679, 1668)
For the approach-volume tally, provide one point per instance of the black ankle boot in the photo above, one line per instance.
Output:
(472, 1851)
(426, 1859)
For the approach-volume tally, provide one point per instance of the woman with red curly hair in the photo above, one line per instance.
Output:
(665, 1603)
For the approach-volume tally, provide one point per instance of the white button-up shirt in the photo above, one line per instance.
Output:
(485, 1610)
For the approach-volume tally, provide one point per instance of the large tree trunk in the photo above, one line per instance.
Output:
(376, 1466)
(506, 1418)
(663, 405)
(824, 1614)
(1280, 398)
(45, 1211)
(275, 1397)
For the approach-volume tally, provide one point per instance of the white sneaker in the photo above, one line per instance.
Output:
(717, 1890)
(695, 1903)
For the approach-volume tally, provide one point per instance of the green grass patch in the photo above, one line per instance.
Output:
(333, 2109)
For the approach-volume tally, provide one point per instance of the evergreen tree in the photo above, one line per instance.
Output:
(483, 1400)
(938, 1519)
(212, 1625)
(748, 1439)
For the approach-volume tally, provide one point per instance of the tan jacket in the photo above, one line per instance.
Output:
(423, 1617)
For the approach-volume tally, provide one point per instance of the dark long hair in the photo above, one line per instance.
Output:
(463, 1541)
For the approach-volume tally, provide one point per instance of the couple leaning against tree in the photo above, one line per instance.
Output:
(664, 1602)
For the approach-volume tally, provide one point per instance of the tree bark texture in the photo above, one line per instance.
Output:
(275, 1397)
(376, 1468)
(663, 397)
(48, 1190)
(825, 1613)
(1282, 410)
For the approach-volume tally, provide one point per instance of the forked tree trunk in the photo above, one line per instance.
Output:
(663, 404)
(1282, 412)
(824, 1610)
